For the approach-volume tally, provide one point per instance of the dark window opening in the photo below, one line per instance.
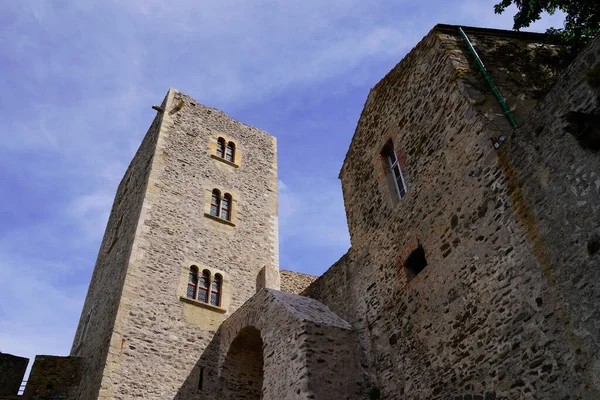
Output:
(415, 263)
(201, 379)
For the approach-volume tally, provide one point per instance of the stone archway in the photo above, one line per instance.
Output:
(243, 369)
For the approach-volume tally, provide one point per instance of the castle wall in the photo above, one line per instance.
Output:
(158, 331)
(554, 185)
(498, 310)
(96, 323)
(54, 377)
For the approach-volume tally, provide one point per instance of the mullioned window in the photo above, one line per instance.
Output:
(205, 288)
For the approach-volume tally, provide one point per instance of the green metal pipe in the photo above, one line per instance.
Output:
(489, 80)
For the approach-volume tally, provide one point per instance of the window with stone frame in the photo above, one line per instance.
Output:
(192, 286)
(230, 152)
(394, 172)
(220, 205)
(220, 147)
(215, 203)
(215, 290)
(204, 288)
(226, 207)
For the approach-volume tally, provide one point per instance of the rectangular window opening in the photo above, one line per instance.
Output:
(394, 173)
(201, 379)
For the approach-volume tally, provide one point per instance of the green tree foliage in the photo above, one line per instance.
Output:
(582, 22)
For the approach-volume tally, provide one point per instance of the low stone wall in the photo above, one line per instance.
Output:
(12, 370)
(54, 377)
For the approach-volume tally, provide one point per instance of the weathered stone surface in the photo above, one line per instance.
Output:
(142, 326)
(507, 304)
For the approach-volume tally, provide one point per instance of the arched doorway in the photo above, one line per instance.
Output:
(242, 373)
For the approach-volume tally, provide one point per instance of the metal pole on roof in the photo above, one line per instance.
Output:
(489, 80)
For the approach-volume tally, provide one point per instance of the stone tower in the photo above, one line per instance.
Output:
(192, 235)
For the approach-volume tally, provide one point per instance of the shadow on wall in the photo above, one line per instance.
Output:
(202, 380)
(241, 373)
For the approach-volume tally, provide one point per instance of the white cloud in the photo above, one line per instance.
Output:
(312, 213)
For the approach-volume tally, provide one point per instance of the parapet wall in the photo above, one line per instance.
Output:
(54, 377)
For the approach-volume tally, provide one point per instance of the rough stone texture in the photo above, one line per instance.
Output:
(309, 352)
(507, 306)
(295, 282)
(12, 371)
(53, 377)
(143, 324)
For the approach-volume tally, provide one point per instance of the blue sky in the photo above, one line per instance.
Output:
(78, 82)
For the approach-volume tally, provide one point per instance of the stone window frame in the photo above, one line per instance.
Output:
(221, 204)
(226, 151)
(212, 274)
(393, 171)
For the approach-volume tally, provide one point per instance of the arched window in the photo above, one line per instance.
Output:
(226, 207)
(215, 203)
(192, 287)
(203, 286)
(220, 147)
(215, 290)
(230, 152)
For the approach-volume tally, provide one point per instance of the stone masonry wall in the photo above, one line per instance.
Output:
(158, 332)
(485, 317)
(554, 185)
(54, 377)
(102, 301)
(295, 282)
(308, 351)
